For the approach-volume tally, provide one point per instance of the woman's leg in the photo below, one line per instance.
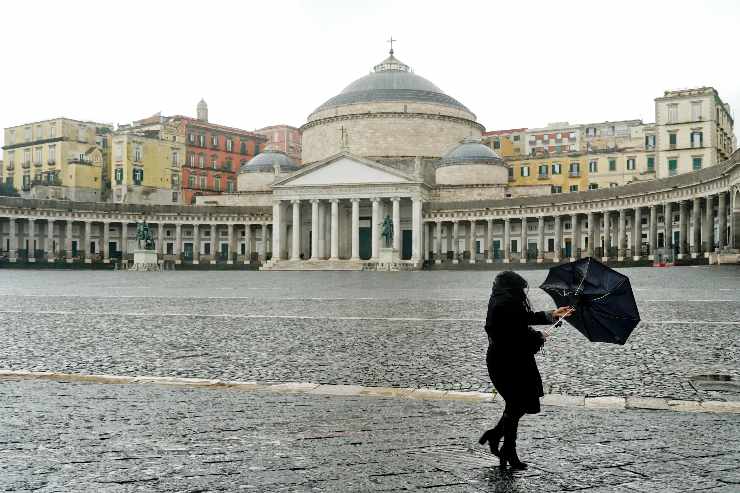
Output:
(494, 436)
(511, 417)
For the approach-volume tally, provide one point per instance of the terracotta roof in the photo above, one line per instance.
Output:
(504, 132)
(214, 126)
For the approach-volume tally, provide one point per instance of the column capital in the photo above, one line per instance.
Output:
(334, 201)
(314, 201)
(354, 200)
(375, 200)
(295, 201)
(395, 199)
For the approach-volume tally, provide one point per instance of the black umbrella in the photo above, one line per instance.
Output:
(605, 308)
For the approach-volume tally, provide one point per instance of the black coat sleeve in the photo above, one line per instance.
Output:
(539, 318)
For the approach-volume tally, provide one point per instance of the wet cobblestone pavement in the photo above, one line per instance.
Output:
(57, 436)
(406, 330)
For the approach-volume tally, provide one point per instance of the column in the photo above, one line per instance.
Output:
(591, 247)
(471, 241)
(86, 246)
(558, 243)
(607, 236)
(106, 240)
(653, 232)
(622, 235)
(375, 229)
(277, 252)
(49, 247)
(321, 230)
(355, 229)
(13, 253)
(416, 220)
(124, 240)
(637, 234)
(32, 240)
(575, 230)
(540, 239)
(314, 229)
(68, 242)
(722, 220)
(523, 241)
(160, 239)
(455, 245)
(682, 229)
(196, 243)
(397, 226)
(335, 229)
(178, 243)
(507, 240)
(489, 241)
(265, 242)
(248, 242)
(668, 229)
(427, 241)
(295, 253)
(708, 236)
(438, 242)
(214, 243)
(230, 236)
(696, 228)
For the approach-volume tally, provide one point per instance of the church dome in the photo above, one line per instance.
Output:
(266, 161)
(472, 163)
(391, 80)
(471, 151)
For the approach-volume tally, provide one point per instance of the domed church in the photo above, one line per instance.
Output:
(376, 156)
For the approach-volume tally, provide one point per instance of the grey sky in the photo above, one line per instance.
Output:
(515, 64)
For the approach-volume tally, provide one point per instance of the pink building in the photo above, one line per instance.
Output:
(283, 138)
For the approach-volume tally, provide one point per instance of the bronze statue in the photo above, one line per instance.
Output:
(387, 231)
(143, 233)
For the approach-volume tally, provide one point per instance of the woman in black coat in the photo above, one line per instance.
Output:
(512, 344)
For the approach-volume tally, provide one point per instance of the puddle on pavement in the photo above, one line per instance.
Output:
(717, 386)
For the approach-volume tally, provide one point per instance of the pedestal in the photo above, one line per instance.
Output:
(387, 255)
(145, 261)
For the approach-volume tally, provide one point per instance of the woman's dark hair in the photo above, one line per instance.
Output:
(512, 284)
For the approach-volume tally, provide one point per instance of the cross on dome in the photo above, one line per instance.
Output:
(391, 42)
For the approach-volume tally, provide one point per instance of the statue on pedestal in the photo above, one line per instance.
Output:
(144, 234)
(387, 231)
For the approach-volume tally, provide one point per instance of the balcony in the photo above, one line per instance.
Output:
(10, 166)
(574, 174)
(37, 163)
(26, 165)
(77, 160)
(542, 177)
(52, 162)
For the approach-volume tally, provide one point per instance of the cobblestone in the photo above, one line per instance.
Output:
(71, 437)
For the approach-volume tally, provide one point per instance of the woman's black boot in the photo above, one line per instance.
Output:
(508, 454)
(493, 437)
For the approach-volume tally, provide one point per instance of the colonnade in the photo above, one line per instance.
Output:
(331, 229)
(680, 229)
(93, 240)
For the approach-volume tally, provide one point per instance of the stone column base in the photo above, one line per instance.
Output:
(507, 260)
(522, 260)
(32, 260)
(651, 257)
(69, 260)
(213, 262)
(680, 256)
(50, 260)
(555, 260)
(12, 260)
(694, 255)
(489, 260)
(455, 261)
(106, 261)
(229, 262)
(636, 258)
(540, 260)
(178, 261)
(471, 261)
(620, 259)
(604, 259)
(438, 261)
(247, 262)
(88, 261)
(196, 262)
(572, 259)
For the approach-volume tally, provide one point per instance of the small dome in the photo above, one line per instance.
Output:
(266, 161)
(471, 151)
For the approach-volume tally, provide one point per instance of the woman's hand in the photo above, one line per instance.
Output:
(563, 311)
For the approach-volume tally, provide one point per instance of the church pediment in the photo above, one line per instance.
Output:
(344, 169)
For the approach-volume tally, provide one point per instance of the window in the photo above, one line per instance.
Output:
(138, 176)
(612, 185)
(119, 176)
(630, 164)
(543, 171)
(214, 140)
(696, 111)
(230, 186)
(593, 166)
(11, 137)
(217, 183)
(672, 167)
(511, 173)
(214, 162)
(191, 159)
(672, 113)
(52, 131)
(201, 160)
(137, 153)
(175, 179)
(227, 165)
(696, 163)
(175, 158)
(191, 138)
(27, 132)
(697, 139)
(243, 148)
(26, 156)
(575, 169)
(497, 144)
(572, 136)
(593, 186)
(651, 163)
(52, 154)
(37, 153)
(202, 182)
(556, 189)
(11, 159)
(650, 142)
(202, 140)
(39, 132)
(516, 138)
(525, 170)
(672, 139)
(174, 199)
(229, 145)
(82, 134)
(574, 188)
(612, 165)
(555, 168)
(118, 151)
(191, 181)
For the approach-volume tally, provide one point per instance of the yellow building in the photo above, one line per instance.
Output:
(563, 173)
(59, 158)
(145, 169)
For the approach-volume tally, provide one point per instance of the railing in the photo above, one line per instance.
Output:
(26, 165)
(542, 177)
(574, 174)
(37, 163)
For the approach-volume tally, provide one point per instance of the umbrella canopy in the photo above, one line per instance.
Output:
(605, 308)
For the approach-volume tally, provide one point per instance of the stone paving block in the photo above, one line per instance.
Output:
(346, 390)
(427, 394)
(721, 407)
(385, 391)
(646, 403)
(292, 387)
(563, 400)
(606, 402)
(685, 406)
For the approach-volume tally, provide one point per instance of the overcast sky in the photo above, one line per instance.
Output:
(514, 64)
